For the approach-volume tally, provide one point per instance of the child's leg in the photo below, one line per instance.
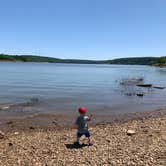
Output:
(78, 138)
(87, 134)
(89, 140)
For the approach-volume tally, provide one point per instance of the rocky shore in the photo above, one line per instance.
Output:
(114, 144)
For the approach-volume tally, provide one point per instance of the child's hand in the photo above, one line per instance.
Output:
(91, 116)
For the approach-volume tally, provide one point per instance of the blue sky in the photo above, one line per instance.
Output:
(83, 29)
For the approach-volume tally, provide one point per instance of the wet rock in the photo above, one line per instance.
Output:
(34, 100)
(9, 122)
(130, 94)
(140, 94)
(131, 81)
(4, 107)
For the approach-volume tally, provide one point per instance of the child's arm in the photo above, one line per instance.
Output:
(90, 117)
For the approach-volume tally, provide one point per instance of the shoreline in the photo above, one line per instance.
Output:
(60, 121)
(112, 145)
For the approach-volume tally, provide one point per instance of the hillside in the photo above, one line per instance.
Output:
(161, 62)
(135, 61)
(32, 58)
(157, 61)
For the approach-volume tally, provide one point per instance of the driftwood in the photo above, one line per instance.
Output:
(158, 87)
(145, 85)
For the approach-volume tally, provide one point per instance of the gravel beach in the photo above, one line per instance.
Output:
(146, 146)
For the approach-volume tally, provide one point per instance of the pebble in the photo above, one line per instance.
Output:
(16, 133)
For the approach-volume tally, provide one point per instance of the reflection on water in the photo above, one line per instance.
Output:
(61, 88)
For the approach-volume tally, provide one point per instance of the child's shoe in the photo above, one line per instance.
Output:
(90, 144)
(76, 143)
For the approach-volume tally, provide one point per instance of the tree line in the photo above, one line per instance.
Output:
(157, 61)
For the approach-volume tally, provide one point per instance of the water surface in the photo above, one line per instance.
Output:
(62, 88)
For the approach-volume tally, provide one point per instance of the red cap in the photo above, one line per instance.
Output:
(82, 110)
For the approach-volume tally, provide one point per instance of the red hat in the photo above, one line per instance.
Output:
(82, 110)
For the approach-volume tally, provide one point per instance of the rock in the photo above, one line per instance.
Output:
(131, 81)
(130, 132)
(54, 122)
(34, 100)
(130, 94)
(10, 144)
(140, 94)
(4, 107)
(2, 135)
(31, 127)
(145, 130)
(16, 133)
(108, 140)
(9, 122)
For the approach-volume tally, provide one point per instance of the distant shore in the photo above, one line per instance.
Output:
(156, 61)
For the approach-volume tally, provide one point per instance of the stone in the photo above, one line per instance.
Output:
(4, 107)
(10, 144)
(2, 135)
(130, 132)
(31, 127)
(16, 133)
(9, 122)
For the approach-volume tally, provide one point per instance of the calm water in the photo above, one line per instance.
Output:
(61, 88)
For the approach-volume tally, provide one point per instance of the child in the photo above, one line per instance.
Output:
(82, 125)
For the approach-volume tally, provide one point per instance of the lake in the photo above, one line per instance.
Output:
(62, 88)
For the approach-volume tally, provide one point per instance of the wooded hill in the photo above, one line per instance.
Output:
(33, 58)
(158, 61)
